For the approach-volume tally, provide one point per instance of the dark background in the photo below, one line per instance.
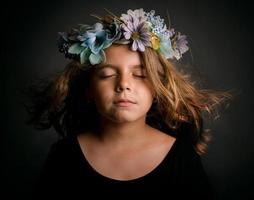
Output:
(221, 39)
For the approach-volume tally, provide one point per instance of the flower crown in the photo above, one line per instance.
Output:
(138, 28)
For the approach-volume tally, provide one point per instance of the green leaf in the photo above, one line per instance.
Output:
(95, 59)
(75, 48)
(84, 55)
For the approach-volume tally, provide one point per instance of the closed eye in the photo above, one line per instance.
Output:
(104, 77)
(108, 76)
(140, 76)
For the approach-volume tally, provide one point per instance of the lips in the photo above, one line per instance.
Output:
(124, 102)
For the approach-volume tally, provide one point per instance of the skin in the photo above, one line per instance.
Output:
(126, 147)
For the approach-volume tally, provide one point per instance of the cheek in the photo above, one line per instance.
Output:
(102, 94)
(146, 97)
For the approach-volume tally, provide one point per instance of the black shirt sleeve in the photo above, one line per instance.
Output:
(194, 179)
(54, 176)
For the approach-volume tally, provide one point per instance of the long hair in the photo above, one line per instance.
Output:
(179, 104)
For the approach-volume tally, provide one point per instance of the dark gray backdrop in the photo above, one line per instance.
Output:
(220, 34)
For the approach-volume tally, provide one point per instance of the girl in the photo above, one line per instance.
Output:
(131, 123)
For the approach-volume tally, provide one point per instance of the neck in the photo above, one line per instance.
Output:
(127, 133)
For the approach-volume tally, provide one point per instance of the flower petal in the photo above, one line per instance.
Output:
(130, 26)
(166, 49)
(95, 58)
(98, 27)
(135, 23)
(134, 46)
(84, 55)
(127, 35)
(90, 41)
(141, 46)
(76, 48)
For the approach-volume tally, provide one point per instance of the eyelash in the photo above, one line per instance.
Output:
(104, 77)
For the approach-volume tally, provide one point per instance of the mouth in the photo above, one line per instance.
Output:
(124, 103)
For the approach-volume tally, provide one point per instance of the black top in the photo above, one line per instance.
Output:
(67, 173)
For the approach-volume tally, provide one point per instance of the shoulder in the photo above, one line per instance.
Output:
(190, 162)
(161, 137)
(186, 151)
(186, 148)
(185, 155)
(59, 168)
(194, 176)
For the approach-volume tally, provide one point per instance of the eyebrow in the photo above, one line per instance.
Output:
(102, 66)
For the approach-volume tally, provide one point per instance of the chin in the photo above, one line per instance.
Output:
(125, 119)
(123, 116)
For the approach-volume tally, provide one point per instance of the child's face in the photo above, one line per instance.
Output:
(121, 76)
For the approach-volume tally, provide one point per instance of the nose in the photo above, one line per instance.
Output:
(123, 83)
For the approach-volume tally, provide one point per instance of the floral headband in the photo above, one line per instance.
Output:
(138, 28)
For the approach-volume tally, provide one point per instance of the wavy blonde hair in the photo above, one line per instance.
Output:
(62, 102)
(180, 101)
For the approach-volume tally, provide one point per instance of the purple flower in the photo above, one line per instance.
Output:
(135, 28)
(138, 14)
(179, 44)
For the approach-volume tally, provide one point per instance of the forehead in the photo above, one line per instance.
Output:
(121, 55)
